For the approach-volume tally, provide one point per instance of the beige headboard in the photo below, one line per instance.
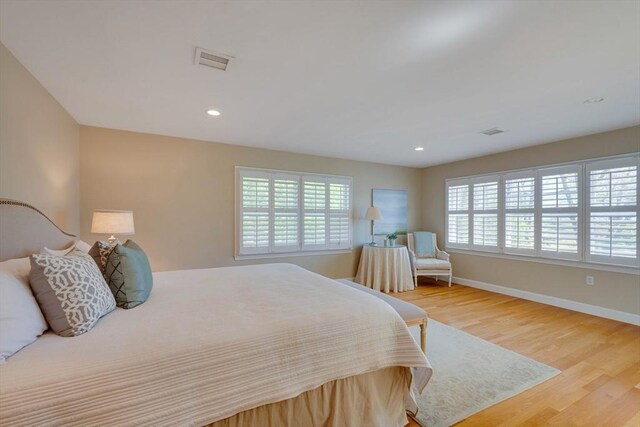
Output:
(25, 230)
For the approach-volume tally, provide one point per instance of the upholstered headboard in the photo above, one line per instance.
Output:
(25, 230)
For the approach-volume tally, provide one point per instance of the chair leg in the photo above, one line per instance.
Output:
(423, 336)
(415, 279)
(449, 278)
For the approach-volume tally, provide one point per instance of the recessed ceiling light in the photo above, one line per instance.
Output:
(593, 100)
(419, 148)
(213, 112)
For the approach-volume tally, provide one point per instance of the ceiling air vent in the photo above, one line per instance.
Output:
(211, 59)
(491, 132)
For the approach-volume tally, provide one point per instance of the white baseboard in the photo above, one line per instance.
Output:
(594, 310)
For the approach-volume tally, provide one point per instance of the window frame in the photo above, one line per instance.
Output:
(272, 251)
(582, 258)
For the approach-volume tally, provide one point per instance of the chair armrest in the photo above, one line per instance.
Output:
(442, 255)
(412, 259)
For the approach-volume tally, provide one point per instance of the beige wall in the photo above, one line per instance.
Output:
(612, 290)
(39, 146)
(182, 195)
(182, 191)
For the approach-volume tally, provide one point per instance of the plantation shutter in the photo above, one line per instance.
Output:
(255, 195)
(314, 213)
(613, 211)
(485, 214)
(457, 215)
(519, 213)
(560, 219)
(579, 213)
(339, 213)
(286, 212)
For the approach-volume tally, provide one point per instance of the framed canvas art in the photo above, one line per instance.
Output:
(393, 206)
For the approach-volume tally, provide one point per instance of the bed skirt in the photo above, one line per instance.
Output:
(373, 399)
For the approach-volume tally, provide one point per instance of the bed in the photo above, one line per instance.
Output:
(256, 345)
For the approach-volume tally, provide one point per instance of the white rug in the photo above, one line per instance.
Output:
(471, 374)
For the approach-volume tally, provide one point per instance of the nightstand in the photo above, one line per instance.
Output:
(385, 268)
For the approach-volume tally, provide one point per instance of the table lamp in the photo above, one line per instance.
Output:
(373, 214)
(112, 222)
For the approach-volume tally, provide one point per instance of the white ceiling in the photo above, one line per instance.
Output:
(366, 80)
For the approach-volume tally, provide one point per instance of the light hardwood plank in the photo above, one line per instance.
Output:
(599, 358)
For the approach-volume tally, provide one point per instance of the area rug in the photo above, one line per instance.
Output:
(471, 374)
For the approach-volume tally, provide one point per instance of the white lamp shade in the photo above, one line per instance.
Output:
(373, 214)
(112, 222)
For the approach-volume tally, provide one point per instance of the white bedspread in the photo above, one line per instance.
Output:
(207, 344)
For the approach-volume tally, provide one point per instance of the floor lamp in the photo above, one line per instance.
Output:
(373, 214)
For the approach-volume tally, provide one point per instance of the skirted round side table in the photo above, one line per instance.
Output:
(385, 268)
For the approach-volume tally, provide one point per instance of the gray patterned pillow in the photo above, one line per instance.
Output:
(100, 252)
(71, 292)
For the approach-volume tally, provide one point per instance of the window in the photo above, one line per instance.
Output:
(255, 213)
(560, 212)
(458, 218)
(472, 213)
(585, 212)
(485, 214)
(519, 211)
(613, 212)
(287, 212)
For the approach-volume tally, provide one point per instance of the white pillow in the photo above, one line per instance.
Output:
(21, 321)
(78, 244)
(83, 246)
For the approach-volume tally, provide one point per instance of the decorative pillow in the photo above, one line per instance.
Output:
(83, 246)
(78, 244)
(129, 275)
(71, 292)
(100, 252)
(21, 321)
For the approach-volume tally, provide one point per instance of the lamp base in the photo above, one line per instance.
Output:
(113, 239)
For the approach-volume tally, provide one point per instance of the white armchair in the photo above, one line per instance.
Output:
(429, 266)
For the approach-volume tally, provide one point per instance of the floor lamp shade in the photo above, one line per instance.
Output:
(373, 214)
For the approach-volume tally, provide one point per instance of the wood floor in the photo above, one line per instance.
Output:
(599, 358)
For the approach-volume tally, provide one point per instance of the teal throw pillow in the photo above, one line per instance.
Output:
(128, 274)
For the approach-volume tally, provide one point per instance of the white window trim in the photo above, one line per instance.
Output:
(300, 250)
(578, 264)
(293, 254)
(582, 260)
